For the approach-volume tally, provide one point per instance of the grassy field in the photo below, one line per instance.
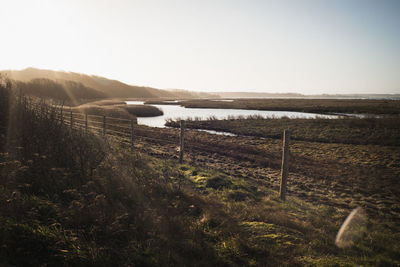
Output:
(338, 173)
(90, 201)
(336, 177)
(322, 106)
(367, 131)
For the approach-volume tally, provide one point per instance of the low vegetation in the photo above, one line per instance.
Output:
(347, 130)
(322, 106)
(118, 109)
(143, 110)
(342, 173)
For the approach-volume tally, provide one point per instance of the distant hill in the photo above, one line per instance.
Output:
(69, 92)
(109, 88)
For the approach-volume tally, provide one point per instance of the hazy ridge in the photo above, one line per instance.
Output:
(101, 87)
(104, 88)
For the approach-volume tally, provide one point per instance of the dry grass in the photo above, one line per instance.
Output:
(114, 108)
(378, 131)
(109, 111)
(143, 110)
(107, 102)
(305, 105)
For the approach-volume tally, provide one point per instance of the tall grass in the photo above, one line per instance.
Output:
(72, 199)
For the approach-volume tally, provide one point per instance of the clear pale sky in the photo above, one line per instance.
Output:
(305, 46)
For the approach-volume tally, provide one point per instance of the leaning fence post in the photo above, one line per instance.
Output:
(71, 122)
(182, 141)
(132, 146)
(104, 125)
(285, 163)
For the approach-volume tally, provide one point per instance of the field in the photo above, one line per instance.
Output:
(348, 130)
(349, 161)
(333, 176)
(91, 201)
(321, 106)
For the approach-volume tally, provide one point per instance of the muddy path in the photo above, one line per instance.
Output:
(339, 175)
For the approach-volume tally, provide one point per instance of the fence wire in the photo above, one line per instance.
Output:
(122, 130)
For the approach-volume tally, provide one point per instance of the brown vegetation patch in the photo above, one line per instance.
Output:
(304, 105)
(109, 111)
(114, 108)
(378, 131)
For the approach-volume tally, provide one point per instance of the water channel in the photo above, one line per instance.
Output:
(180, 112)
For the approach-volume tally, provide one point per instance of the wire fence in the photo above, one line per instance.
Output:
(125, 129)
(128, 129)
(127, 132)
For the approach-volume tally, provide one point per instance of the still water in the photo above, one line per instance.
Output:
(179, 112)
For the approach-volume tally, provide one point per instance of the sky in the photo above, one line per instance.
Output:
(302, 46)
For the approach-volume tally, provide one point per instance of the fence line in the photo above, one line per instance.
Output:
(107, 126)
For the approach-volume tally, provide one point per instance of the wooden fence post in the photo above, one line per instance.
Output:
(20, 96)
(72, 121)
(132, 145)
(285, 163)
(86, 123)
(104, 125)
(62, 116)
(182, 141)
